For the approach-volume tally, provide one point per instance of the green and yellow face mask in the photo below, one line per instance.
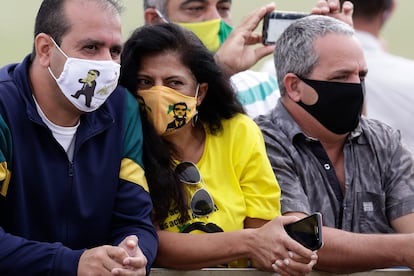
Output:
(212, 33)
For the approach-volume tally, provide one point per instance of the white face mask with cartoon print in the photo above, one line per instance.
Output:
(87, 83)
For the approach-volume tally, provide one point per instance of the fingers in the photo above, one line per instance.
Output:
(300, 259)
(129, 272)
(116, 254)
(299, 249)
(129, 257)
(130, 244)
(236, 54)
(322, 7)
(348, 10)
(298, 254)
(135, 260)
(280, 253)
(333, 8)
(330, 7)
(125, 259)
(101, 260)
(326, 7)
(264, 51)
(251, 21)
(289, 266)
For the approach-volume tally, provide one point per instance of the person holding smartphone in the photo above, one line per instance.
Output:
(215, 196)
(328, 158)
(211, 21)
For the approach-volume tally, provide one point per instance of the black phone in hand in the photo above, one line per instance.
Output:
(307, 231)
(274, 23)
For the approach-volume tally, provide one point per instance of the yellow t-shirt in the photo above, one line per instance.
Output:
(238, 175)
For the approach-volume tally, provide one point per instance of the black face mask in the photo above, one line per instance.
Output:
(339, 104)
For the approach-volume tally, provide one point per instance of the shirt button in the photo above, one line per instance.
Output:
(327, 166)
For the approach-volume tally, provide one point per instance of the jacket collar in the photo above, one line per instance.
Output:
(91, 123)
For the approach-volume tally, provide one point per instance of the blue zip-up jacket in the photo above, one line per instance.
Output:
(52, 209)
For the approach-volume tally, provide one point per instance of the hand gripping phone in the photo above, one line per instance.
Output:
(274, 23)
(307, 231)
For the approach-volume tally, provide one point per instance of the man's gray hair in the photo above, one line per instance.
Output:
(294, 51)
(160, 5)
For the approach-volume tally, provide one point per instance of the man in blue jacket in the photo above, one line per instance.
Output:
(73, 196)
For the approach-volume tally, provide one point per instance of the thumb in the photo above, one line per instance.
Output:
(131, 244)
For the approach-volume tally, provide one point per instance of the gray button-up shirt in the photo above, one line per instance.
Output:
(379, 174)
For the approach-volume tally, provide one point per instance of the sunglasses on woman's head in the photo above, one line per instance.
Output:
(201, 203)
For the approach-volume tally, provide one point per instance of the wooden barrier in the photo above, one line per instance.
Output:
(254, 272)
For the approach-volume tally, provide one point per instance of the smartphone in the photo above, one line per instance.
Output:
(307, 231)
(274, 23)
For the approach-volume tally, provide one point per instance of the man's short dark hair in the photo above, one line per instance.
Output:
(51, 18)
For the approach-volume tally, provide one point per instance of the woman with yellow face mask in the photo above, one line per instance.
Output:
(210, 20)
(205, 160)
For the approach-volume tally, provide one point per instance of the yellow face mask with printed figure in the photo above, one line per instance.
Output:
(167, 109)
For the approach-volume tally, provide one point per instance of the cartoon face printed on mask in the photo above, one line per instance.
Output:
(179, 111)
(168, 109)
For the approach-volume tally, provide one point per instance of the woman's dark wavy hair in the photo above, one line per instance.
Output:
(219, 103)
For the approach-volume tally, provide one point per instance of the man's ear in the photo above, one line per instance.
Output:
(43, 47)
(292, 86)
(202, 92)
(151, 16)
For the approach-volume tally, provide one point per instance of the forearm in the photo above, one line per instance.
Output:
(132, 216)
(345, 252)
(19, 256)
(196, 251)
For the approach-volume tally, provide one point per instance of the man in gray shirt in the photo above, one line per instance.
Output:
(328, 159)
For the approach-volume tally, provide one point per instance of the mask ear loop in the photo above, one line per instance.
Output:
(195, 117)
(160, 15)
(57, 46)
(60, 50)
